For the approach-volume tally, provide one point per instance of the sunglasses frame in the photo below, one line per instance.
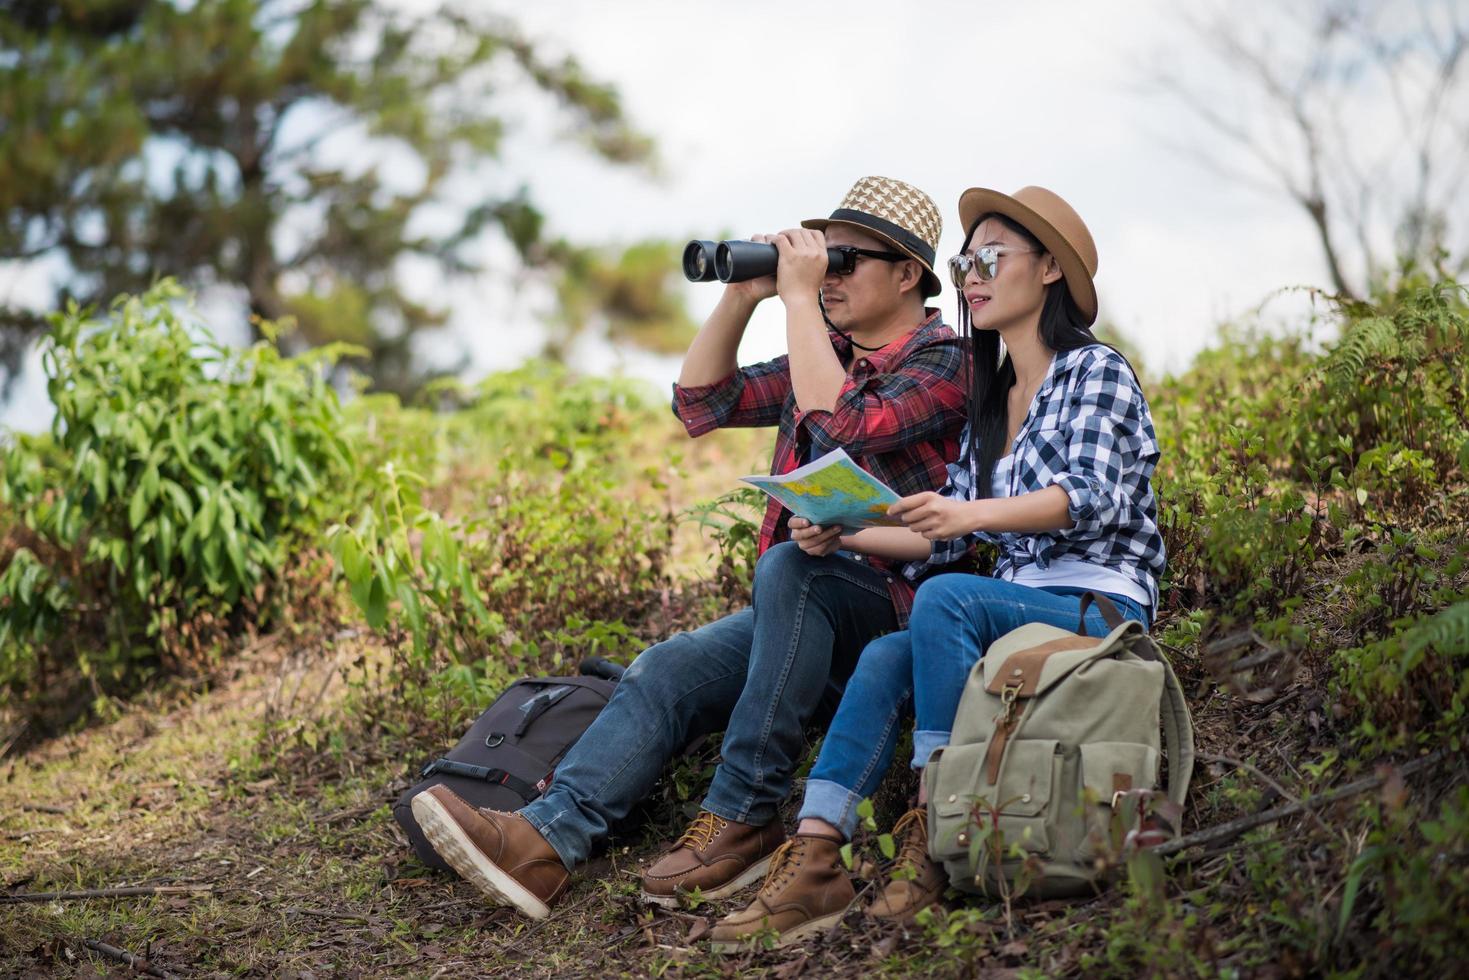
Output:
(850, 254)
(984, 262)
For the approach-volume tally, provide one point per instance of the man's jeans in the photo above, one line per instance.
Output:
(759, 675)
(955, 619)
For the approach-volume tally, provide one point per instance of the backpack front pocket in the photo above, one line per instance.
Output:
(1107, 769)
(965, 808)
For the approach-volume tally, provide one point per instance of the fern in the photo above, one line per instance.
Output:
(1367, 339)
(1445, 633)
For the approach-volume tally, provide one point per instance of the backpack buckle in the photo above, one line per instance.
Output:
(1007, 698)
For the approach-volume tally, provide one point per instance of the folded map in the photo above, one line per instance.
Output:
(832, 490)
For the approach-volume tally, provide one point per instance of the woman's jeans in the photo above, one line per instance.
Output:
(955, 619)
(760, 675)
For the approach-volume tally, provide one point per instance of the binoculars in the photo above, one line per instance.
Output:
(737, 261)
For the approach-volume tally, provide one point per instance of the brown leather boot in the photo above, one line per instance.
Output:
(806, 891)
(716, 856)
(499, 853)
(916, 880)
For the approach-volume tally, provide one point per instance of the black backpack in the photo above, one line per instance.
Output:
(509, 755)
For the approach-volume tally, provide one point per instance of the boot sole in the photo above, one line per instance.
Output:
(453, 845)
(744, 878)
(787, 938)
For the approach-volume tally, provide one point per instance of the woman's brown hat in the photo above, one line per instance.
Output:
(899, 214)
(1049, 218)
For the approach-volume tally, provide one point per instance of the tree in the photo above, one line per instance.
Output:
(1356, 110)
(142, 138)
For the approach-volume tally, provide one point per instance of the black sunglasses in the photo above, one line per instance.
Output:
(850, 254)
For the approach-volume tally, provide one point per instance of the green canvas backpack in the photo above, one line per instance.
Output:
(1054, 731)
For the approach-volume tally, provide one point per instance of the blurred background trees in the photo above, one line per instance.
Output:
(1291, 90)
(143, 138)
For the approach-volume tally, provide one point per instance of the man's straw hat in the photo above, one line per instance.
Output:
(1060, 230)
(899, 214)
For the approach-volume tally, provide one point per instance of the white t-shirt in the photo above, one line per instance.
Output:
(1071, 573)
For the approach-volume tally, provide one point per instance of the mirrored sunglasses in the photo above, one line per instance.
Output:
(984, 261)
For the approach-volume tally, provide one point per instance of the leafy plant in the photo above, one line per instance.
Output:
(176, 479)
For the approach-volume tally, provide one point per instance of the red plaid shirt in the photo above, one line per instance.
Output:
(899, 415)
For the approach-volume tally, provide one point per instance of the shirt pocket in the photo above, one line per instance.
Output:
(1043, 458)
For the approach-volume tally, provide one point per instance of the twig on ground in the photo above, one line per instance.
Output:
(856, 902)
(515, 943)
(1267, 780)
(123, 956)
(42, 808)
(13, 738)
(1234, 828)
(324, 914)
(350, 814)
(127, 892)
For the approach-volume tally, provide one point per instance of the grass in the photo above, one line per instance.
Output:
(308, 875)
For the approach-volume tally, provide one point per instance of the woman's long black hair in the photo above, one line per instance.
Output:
(1062, 328)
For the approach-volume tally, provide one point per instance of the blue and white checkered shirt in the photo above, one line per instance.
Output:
(1089, 432)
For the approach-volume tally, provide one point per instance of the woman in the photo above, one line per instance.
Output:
(1054, 469)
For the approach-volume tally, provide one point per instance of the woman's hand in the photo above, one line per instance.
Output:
(936, 517)
(815, 540)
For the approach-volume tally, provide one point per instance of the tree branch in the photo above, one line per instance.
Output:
(1234, 828)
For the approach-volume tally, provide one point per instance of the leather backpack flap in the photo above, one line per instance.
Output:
(1037, 656)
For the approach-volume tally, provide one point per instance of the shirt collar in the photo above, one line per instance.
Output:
(1061, 362)
(879, 360)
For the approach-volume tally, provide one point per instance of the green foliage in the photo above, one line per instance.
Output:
(223, 162)
(1413, 684)
(733, 521)
(1412, 880)
(1273, 457)
(177, 477)
(554, 559)
(1314, 503)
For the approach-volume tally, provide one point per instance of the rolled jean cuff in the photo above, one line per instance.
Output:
(832, 802)
(923, 745)
(568, 855)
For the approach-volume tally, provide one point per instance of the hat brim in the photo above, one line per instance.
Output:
(979, 201)
(931, 284)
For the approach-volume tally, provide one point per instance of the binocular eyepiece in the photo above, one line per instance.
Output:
(737, 261)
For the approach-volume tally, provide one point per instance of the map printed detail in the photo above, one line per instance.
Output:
(832, 490)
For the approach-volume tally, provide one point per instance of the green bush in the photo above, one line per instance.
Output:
(548, 544)
(1273, 456)
(177, 478)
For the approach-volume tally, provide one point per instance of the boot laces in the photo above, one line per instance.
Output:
(782, 867)
(702, 831)
(912, 830)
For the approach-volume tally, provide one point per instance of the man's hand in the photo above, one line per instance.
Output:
(753, 291)
(815, 540)
(802, 264)
(937, 518)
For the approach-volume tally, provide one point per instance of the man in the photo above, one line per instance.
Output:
(878, 375)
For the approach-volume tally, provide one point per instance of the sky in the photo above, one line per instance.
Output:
(766, 112)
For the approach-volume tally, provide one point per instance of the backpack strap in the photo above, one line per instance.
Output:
(526, 790)
(1178, 729)
(1178, 724)
(1110, 613)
